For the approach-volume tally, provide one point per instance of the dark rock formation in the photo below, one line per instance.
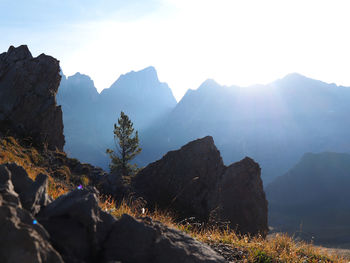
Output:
(33, 195)
(22, 238)
(184, 180)
(28, 87)
(242, 198)
(77, 225)
(194, 182)
(73, 228)
(146, 241)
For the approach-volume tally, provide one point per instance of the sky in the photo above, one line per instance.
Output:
(240, 42)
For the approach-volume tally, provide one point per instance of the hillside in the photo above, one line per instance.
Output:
(231, 246)
(312, 199)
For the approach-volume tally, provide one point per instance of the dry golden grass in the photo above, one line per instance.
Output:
(279, 248)
(28, 158)
(31, 160)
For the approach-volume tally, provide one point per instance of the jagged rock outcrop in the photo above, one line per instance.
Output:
(143, 240)
(73, 228)
(242, 199)
(33, 194)
(22, 238)
(28, 88)
(183, 180)
(194, 182)
(77, 225)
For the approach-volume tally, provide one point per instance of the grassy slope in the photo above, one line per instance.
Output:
(278, 248)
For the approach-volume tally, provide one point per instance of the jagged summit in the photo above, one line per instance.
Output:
(20, 53)
(145, 81)
(28, 88)
(79, 80)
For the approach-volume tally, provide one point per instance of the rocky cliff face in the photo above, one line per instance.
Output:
(28, 88)
(194, 182)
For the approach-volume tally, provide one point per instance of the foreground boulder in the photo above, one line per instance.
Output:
(28, 88)
(77, 225)
(22, 238)
(73, 228)
(194, 182)
(143, 240)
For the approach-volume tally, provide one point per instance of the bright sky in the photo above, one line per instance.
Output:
(240, 42)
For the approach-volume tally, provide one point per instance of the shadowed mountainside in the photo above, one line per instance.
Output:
(312, 199)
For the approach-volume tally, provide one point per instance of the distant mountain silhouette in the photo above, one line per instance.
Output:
(89, 116)
(313, 199)
(274, 124)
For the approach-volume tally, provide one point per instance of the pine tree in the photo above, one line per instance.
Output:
(127, 147)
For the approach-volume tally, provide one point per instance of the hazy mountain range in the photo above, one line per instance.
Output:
(89, 116)
(275, 123)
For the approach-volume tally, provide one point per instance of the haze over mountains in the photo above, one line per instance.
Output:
(89, 116)
(275, 123)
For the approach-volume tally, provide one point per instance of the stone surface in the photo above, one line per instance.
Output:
(28, 88)
(194, 182)
(184, 180)
(33, 194)
(242, 198)
(77, 225)
(21, 240)
(143, 240)
(73, 228)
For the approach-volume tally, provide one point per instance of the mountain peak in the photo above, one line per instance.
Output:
(135, 81)
(209, 83)
(294, 76)
(147, 74)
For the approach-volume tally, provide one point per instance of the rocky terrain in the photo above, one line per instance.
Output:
(73, 228)
(194, 182)
(51, 205)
